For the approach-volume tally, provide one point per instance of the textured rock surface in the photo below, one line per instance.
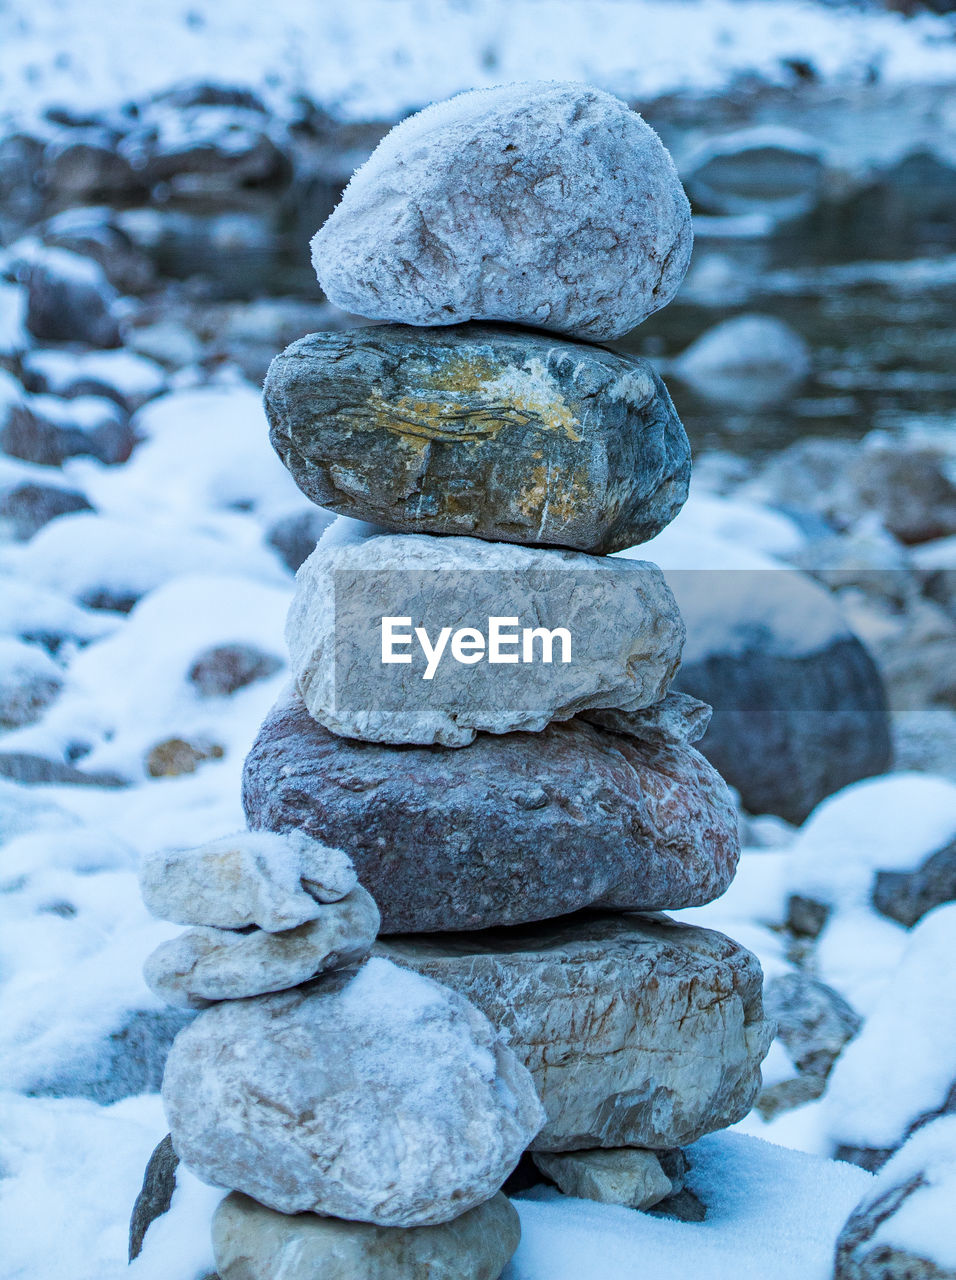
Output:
(513, 828)
(902, 1229)
(251, 878)
(156, 1193)
(814, 1022)
(547, 204)
(637, 1031)
(628, 1176)
(624, 633)
(224, 668)
(906, 896)
(373, 1095)
(676, 720)
(495, 433)
(255, 1243)
(204, 965)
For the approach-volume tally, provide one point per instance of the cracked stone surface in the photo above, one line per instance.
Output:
(548, 204)
(251, 1242)
(375, 1095)
(639, 1032)
(677, 719)
(204, 965)
(495, 433)
(493, 833)
(625, 636)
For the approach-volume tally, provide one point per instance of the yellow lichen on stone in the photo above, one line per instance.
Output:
(535, 391)
(540, 500)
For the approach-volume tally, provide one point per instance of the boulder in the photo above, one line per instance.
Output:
(637, 1031)
(275, 882)
(374, 1095)
(70, 300)
(628, 1176)
(906, 896)
(204, 965)
(799, 707)
(513, 828)
(28, 506)
(548, 204)
(902, 1229)
(622, 629)
(29, 682)
(47, 430)
(491, 432)
(752, 361)
(255, 1243)
(765, 170)
(223, 669)
(814, 1023)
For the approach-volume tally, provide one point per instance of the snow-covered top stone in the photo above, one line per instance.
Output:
(274, 881)
(548, 204)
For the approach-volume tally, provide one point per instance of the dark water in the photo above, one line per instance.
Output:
(882, 336)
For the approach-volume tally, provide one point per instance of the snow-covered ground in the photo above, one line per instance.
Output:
(181, 526)
(182, 532)
(371, 59)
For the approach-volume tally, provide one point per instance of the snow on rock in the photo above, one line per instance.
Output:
(903, 1227)
(764, 170)
(275, 882)
(902, 1065)
(72, 947)
(29, 682)
(48, 617)
(375, 1095)
(761, 1201)
(203, 449)
(71, 1161)
(122, 375)
(888, 824)
(119, 712)
(543, 203)
(109, 562)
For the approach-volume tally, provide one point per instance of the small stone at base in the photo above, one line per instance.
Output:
(254, 1243)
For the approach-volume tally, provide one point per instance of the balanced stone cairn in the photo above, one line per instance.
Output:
(510, 827)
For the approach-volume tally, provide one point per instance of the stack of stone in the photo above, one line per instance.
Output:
(510, 820)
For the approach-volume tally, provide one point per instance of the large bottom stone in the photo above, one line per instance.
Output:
(255, 1243)
(513, 828)
(637, 1031)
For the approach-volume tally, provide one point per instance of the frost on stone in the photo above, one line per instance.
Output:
(548, 204)
(378, 1096)
(253, 878)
